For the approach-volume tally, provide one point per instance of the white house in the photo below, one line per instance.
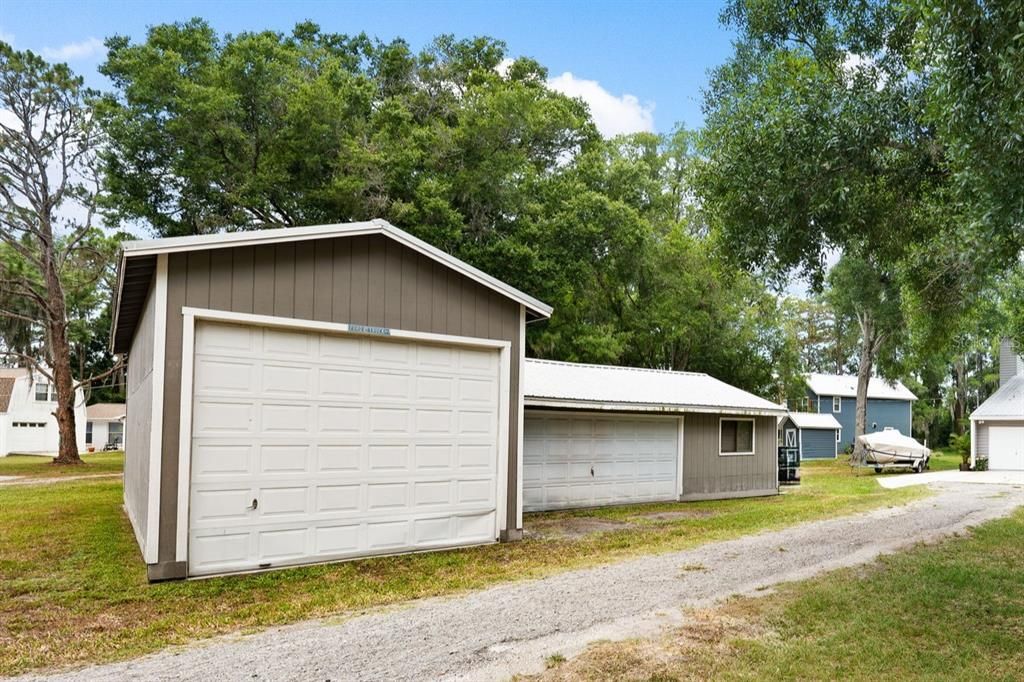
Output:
(105, 425)
(997, 426)
(27, 424)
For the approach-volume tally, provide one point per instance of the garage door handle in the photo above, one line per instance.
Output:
(252, 507)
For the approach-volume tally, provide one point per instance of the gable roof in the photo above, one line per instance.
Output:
(138, 261)
(569, 384)
(105, 412)
(6, 391)
(845, 386)
(1005, 403)
(814, 420)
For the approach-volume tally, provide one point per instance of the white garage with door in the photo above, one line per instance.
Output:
(589, 460)
(603, 435)
(1006, 447)
(314, 394)
(314, 446)
(997, 425)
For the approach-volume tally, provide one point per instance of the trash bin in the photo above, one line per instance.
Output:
(789, 466)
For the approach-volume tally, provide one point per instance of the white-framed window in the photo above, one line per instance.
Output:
(42, 392)
(837, 404)
(88, 433)
(735, 436)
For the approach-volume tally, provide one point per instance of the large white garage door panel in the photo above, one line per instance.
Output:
(348, 445)
(1006, 448)
(591, 460)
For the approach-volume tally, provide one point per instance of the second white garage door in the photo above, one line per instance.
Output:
(310, 446)
(583, 460)
(1006, 448)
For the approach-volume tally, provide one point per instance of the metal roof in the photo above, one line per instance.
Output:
(105, 412)
(132, 281)
(569, 384)
(1006, 403)
(814, 420)
(845, 386)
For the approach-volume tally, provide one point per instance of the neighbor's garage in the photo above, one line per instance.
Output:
(997, 425)
(601, 435)
(1006, 447)
(310, 394)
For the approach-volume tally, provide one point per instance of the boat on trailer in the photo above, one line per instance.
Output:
(890, 449)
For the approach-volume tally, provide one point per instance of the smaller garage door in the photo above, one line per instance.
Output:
(579, 460)
(1006, 448)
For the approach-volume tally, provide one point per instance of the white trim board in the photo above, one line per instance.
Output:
(151, 551)
(291, 234)
(193, 315)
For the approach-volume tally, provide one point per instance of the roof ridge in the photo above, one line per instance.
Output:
(619, 367)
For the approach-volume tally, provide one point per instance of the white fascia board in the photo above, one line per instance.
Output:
(291, 234)
(649, 408)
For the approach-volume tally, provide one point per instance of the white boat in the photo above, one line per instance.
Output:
(890, 449)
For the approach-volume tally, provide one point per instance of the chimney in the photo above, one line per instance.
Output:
(1010, 364)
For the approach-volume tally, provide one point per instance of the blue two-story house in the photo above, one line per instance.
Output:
(889, 404)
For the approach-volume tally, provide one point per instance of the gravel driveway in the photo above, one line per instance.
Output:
(514, 627)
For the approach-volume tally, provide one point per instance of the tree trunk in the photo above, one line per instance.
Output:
(865, 362)
(60, 356)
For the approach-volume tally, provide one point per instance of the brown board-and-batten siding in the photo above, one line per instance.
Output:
(709, 475)
(366, 279)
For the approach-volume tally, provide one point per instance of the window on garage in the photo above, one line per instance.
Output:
(736, 437)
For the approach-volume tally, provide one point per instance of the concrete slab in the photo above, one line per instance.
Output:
(983, 477)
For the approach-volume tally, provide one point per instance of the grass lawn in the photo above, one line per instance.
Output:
(43, 467)
(949, 611)
(73, 588)
(944, 459)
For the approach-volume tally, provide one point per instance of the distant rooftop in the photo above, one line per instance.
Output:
(845, 385)
(814, 420)
(1006, 403)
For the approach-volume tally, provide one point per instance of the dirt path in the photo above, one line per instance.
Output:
(512, 628)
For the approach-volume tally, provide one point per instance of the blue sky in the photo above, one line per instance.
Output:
(640, 65)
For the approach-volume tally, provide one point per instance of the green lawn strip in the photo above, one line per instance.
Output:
(954, 610)
(73, 588)
(43, 467)
(944, 459)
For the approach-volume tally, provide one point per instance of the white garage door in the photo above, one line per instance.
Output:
(590, 460)
(1006, 448)
(308, 447)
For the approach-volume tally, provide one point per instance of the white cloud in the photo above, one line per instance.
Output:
(613, 115)
(71, 51)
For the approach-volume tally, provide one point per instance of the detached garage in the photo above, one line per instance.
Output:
(309, 394)
(601, 435)
(997, 426)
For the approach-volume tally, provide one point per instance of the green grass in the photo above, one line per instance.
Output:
(944, 459)
(949, 611)
(43, 467)
(73, 587)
